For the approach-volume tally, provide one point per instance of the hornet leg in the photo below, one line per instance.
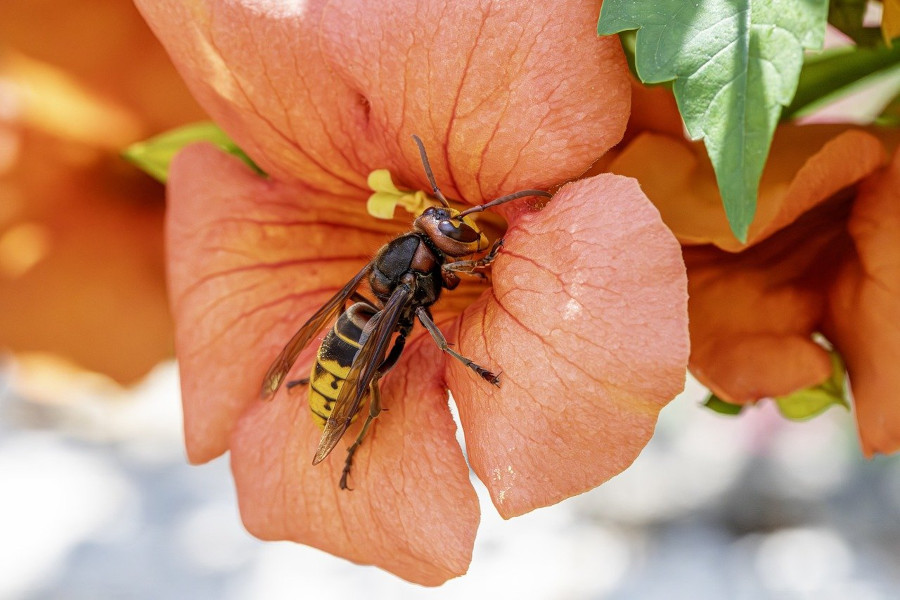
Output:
(441, 341)
(374, 409)
(290, 385)
(469, 266)
(374, 403)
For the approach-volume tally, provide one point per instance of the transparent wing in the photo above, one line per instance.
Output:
(364, 369)
(285, 360)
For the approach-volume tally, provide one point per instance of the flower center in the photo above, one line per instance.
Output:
(386, 197)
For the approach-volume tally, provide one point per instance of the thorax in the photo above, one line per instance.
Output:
(409, 253)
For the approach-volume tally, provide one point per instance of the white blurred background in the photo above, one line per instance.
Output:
(97, 501)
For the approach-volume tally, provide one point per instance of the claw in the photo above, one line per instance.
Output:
(343, 483)
(491, 378)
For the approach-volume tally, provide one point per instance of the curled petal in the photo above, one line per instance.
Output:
(327, 92)
(412, 509)
(249, 261)
(752, 314)
(806, 165)
(864, 306)
(587, 321)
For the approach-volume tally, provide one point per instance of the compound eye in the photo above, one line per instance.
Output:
(461, 232)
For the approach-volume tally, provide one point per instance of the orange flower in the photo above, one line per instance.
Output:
(585, 317)
(81, 262)
(821, 257)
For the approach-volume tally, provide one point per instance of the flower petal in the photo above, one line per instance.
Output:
(487, 98)
(412, 509)
(864, 309)
(653, 109)
(587, 321)
(806, 165)
(753, 313)
(256, 67)
(327, 92)
(890, 21)
(249, 261)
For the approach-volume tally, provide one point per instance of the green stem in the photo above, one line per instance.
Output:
(828, 74)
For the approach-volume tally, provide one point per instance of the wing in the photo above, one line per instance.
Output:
(364, 369)
(285, 360)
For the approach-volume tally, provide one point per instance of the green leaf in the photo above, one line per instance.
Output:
(890, 115)
(155, 154)
(718, 405)
(847, 15)
(735, 64)
(812, 401)
(838, 70)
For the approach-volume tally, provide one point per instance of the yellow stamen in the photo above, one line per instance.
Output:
(386, 197)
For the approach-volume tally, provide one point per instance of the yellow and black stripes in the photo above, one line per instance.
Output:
(334, 359)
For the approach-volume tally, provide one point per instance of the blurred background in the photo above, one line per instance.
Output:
(96, 498)
(98, 502)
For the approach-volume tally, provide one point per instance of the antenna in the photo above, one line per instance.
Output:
(504, 200)
(429, 173)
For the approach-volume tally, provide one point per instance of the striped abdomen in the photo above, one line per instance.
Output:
(334, 359)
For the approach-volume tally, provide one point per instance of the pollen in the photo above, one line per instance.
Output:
(386, 197)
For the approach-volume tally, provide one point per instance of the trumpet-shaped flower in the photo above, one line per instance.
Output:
(584, 315)
(81, 252)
